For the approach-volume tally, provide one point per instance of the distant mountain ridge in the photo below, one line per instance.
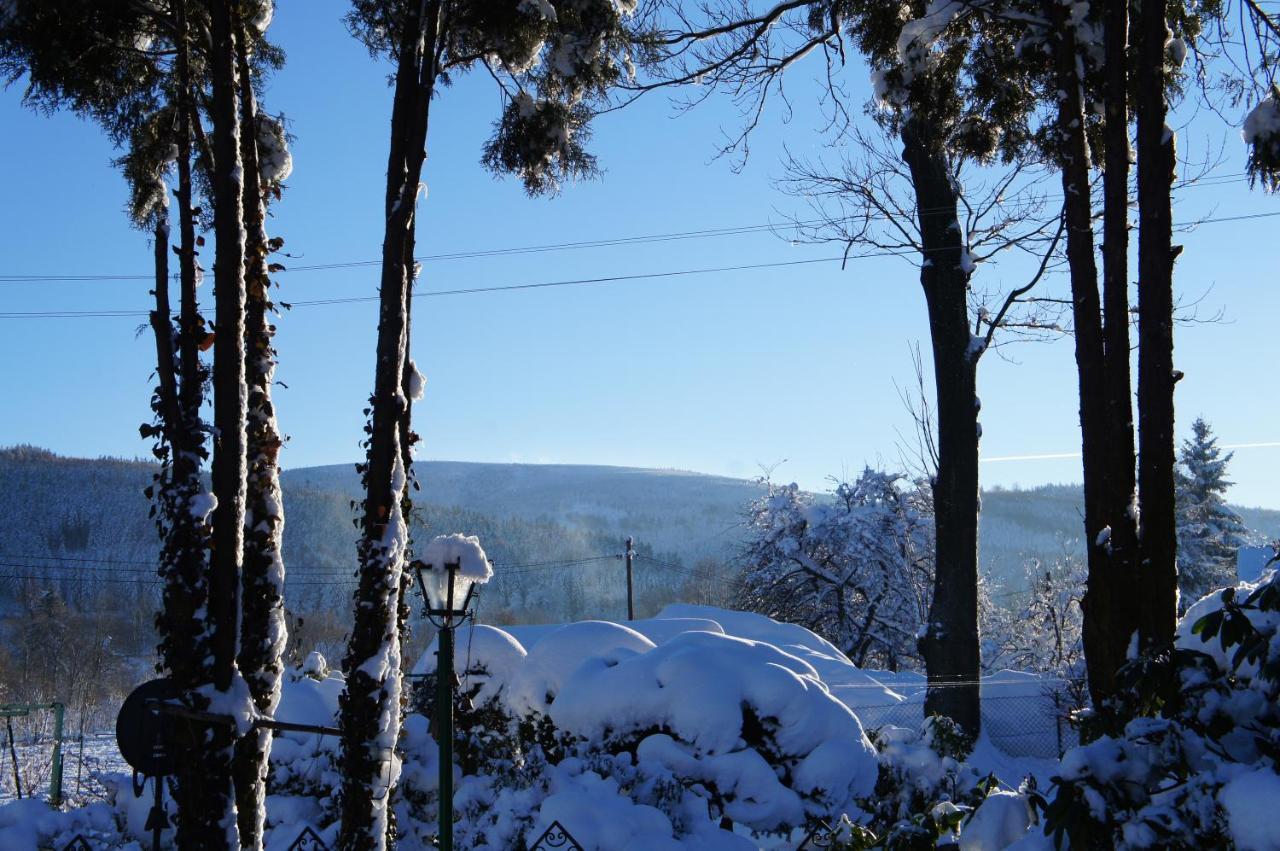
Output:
(87, 509)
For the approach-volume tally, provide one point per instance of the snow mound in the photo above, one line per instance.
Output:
(554, 659)
(662, 630)
(999, 821)
(756, 628)
(485, 657)
(855, 687)
(1249, 800)
(707, 707)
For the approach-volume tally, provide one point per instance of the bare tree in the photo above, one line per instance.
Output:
(941, 95)
(871, 204)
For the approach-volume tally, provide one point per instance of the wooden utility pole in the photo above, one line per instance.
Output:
(631, 600)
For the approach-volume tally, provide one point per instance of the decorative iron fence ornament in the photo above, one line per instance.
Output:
(308, 840)
(822, 836)
(556, 838)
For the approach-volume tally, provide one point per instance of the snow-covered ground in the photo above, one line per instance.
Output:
(764, 720)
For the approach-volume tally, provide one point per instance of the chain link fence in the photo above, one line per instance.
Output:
(1033, 724)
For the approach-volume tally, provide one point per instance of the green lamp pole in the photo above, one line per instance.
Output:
(442, 587)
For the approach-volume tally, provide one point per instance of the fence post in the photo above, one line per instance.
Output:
(55, 779)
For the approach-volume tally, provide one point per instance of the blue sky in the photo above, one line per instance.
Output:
(719, 373)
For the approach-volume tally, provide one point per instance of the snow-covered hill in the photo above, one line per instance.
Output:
(94, 509)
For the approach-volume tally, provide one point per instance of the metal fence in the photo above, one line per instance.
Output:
(1022, 725)
(87, 762)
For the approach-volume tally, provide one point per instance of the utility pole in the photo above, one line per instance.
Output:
(631, 601)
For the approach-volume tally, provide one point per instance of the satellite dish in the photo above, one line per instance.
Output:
(151, 742)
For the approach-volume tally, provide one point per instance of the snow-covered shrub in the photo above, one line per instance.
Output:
(1174, 775)
(748, 728)
(924, 788)
(304, 776)
(502, 760)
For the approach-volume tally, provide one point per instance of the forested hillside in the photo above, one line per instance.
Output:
(85, 522)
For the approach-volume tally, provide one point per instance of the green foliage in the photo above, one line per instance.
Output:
(925, 790)
(1161, 755)
(1209, 532)
(555, 63)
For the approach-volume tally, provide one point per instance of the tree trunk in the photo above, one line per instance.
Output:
(1121, 499)
(262, 628)
(370, 705)
(1105, 641)
(213, 822)
(950, 645)
(1156, 376)
(184, 639)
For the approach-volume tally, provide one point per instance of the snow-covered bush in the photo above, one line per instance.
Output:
(304, 775)
(597, 726)
(742, 724)
(1202, 745)
(925, 788)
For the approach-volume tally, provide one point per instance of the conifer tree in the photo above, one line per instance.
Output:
(144, 72)
(553, 63)
(1209, 532)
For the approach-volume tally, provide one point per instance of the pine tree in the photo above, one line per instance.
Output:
(539, 137)
(1209, 532)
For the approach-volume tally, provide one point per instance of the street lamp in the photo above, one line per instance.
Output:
(452, 567)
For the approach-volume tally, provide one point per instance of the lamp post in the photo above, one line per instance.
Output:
(448, 590)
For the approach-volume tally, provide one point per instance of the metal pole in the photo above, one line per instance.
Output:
(158, 818)
(631, 600)
(444, 706)
(55, 781)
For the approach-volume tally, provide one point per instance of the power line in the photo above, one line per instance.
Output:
(608, 242)
(609, 279)
(74, 565)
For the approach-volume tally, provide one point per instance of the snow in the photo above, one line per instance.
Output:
(486, 659)
(1262, 124)
(465, 550)
(556, 657)
(787, 636)
(662, 630)
(275, 163)
(202, 505)
(417, 382)
(235, 702)
(262, 16)
(1250, 801)
(1001, 820)
(706, 692)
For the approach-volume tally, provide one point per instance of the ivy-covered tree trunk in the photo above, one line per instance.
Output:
(1104, 638)
(186, 533)
(950, 644)
(208, 818)
(262, 624)
(1156, 376)
(185, 642)
(370, 706)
